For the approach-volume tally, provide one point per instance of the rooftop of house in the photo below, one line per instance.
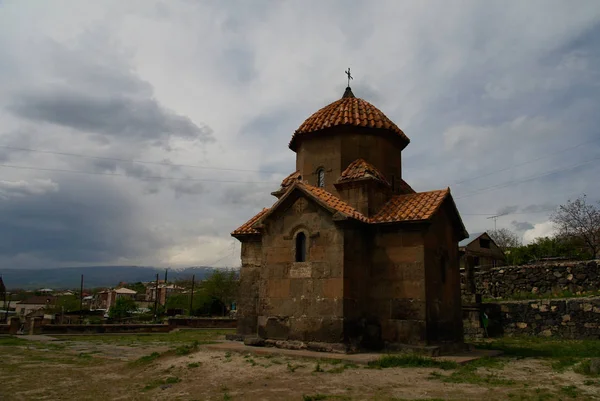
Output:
(470, 239)
(38, 300)
(124, 291)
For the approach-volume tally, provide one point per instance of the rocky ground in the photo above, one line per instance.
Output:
(176, 366)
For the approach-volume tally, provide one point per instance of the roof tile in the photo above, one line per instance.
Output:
(411, 207)
(246, 228)
(360, 169)
(349, 110)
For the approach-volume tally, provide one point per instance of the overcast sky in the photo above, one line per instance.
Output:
(499, 98)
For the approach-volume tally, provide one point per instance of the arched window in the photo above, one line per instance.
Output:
(321, 177)
(300, 247)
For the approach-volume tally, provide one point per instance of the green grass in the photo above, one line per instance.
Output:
(469, 373)
(156, 383)
(584, 368)
(561, 364)
(318, 368)
(541, 347)
(193, 365)
(187, 349)
(292, 368)
(12, 341)
(146, 359)
(411, 361)
(570, 391)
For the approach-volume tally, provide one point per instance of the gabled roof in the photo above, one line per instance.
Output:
(246, 228)
(349, 110)
(333, 202)
(360, 169)
(290, 179)
(470, 239)
(319, 195)
(411, 207)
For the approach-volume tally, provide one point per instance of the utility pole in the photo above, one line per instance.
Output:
(156, 299)
(192, 295)
(81, 301)
(7, 308)
(3, 290)
(166, 289)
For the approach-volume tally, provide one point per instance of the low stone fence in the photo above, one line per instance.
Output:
(203, 323)
(101, 328)
(574, 318)
(545, 278)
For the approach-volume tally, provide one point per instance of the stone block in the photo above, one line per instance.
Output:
(278, 288)
(407, 309)
(333, 288)
(254, 341)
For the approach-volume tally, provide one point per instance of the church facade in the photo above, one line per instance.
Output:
(350, 253)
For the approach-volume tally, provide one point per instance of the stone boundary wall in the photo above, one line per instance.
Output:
(571, 318)
(101, 328)
(203, 323)
(543, 278)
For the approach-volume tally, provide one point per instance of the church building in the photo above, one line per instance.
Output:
(349, 253)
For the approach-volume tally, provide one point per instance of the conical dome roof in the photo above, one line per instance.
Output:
(349, 110)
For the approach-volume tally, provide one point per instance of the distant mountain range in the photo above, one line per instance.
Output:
(93, 276)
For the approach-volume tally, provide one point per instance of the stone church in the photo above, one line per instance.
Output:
(350, 254)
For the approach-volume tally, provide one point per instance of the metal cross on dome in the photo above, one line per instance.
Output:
(349, 76)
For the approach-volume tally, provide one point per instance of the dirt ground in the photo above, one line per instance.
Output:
(178, 367)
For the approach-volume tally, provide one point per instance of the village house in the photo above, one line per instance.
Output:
(108, 298)
(33, 304)
(350, 253)
(480, 250)
(164, 291)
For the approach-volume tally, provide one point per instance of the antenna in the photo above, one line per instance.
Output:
(495, 218)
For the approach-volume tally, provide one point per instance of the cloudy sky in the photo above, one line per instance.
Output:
(500, 100)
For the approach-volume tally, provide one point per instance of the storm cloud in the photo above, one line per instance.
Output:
(100, 96)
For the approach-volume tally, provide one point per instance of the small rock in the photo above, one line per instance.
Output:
(254, 341)
(165, 386)
(521, 325)
(566, 318)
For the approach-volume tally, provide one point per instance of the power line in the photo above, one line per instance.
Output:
(135, 161)
(523, 163)
(531, 178)
(131, 176)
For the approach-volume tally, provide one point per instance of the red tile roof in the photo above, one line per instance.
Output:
(334, 202)
(290, 179)
(349, 110)
(411, 207)
(359, 169)
(246, 228)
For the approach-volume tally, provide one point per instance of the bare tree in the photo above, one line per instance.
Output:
(581, 220)
(505, 239)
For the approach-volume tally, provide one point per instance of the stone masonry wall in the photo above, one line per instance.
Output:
(546, 278)
(575, 318)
